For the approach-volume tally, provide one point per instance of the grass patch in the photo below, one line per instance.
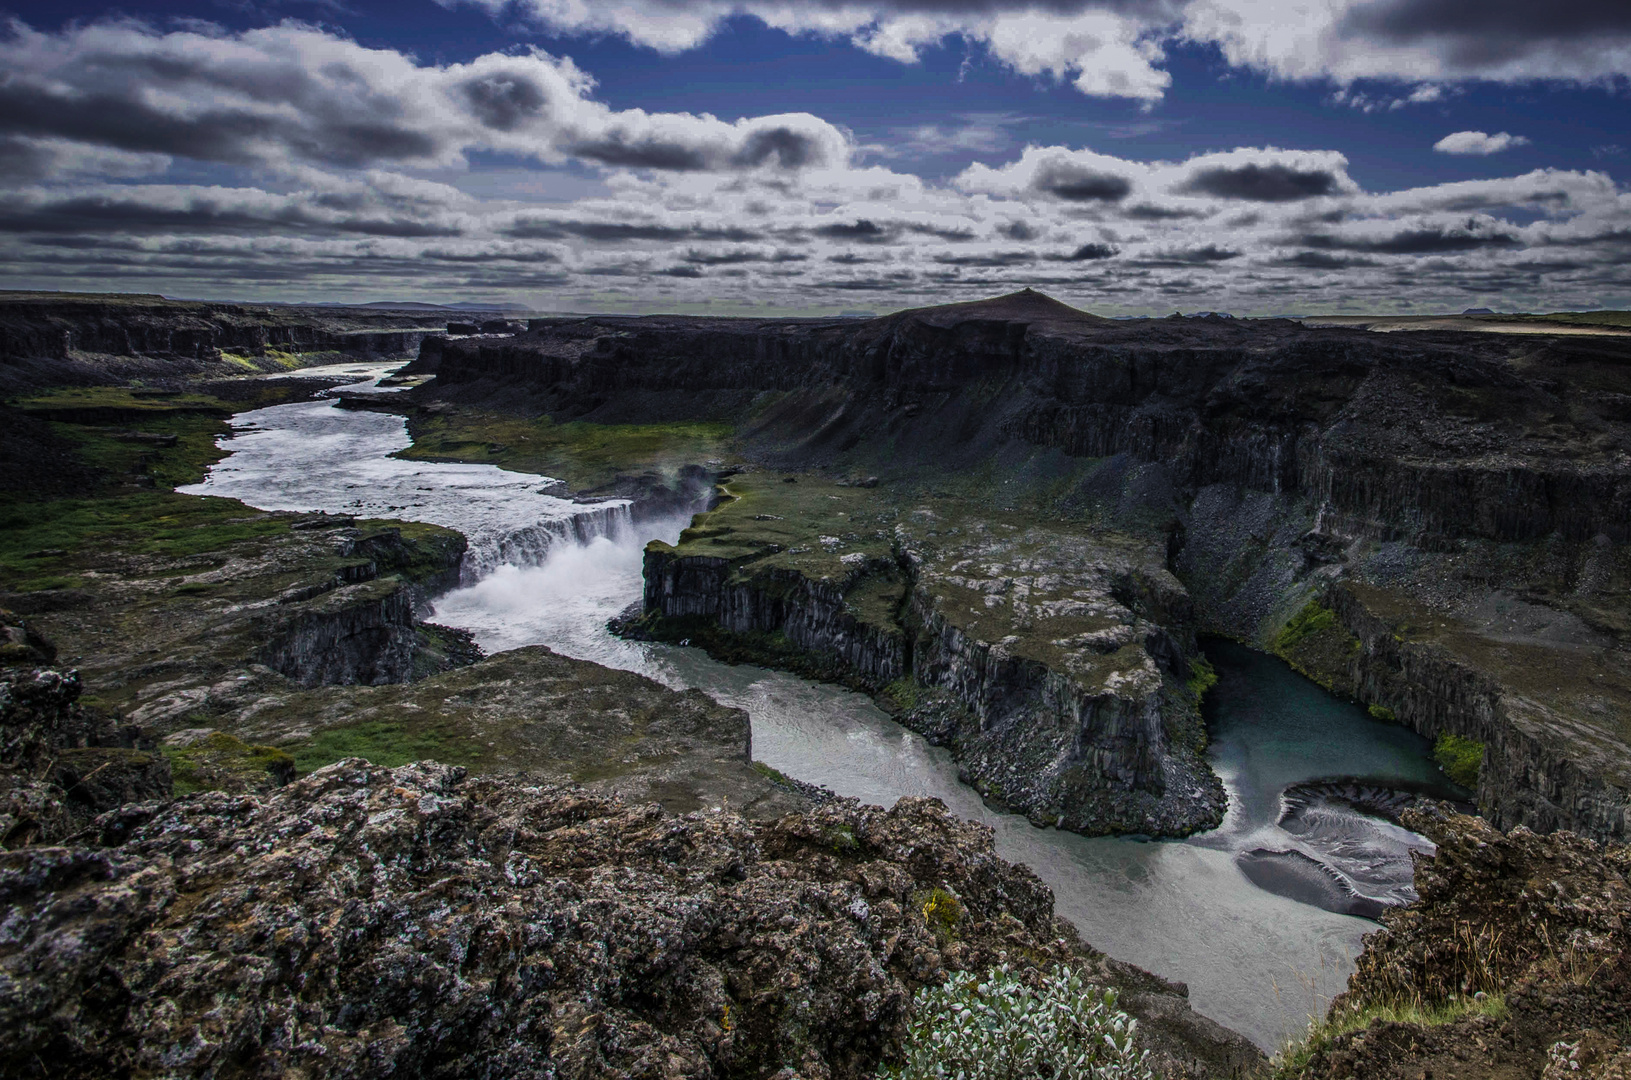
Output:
(1296, 1056)
(1460, 758)
(383, 743)
(222, 762)
(584, 455)
(159, 523)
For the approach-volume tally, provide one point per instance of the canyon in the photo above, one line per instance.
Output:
(1015, 526)
(1458, 503)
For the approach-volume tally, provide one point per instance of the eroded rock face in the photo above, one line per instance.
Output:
(369, 922)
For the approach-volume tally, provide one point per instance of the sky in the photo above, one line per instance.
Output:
(1258, 157)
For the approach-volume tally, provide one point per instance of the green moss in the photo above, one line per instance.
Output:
(775, 776)
(1296, 1056)
(1459, 757)
(1309, 621)
(840, 838)
(1317, 645)
(1202, 677)
(384, 743)
(584, 455)
(941, 910)
(1382, 712)
(222, 762)
(903, 694)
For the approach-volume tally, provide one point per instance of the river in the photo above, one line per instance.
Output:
(1304, 770)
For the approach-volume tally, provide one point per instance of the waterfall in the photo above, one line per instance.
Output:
(530, 545)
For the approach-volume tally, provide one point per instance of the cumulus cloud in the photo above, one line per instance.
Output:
(335, 170)
(1268, 175)
(1116, 48)
(1478, 142)
(295, 93)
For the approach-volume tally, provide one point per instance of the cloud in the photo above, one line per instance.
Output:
(311, 185)
(1477, 142)
(1117, 48)
(1426, 237)
(1416, 41)
(1267, 175)
(298, 94)
(1072, 176)
(1092, 252)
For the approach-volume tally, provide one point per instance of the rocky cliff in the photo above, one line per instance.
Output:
(1052, 661)
(55, 338)
(1474, 484)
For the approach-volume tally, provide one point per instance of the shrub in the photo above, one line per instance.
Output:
(994, 1027)
(1382, 712)
(1459, 758)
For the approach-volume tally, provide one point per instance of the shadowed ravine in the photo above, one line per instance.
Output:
(1311, 778)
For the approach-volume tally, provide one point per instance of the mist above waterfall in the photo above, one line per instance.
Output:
(564, 599)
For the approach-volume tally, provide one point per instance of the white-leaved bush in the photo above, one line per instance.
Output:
(994, 1027)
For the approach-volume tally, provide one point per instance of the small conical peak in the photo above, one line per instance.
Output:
(1026, 305)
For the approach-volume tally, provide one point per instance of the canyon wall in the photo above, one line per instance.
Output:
(1052, 663)
(1454, 475)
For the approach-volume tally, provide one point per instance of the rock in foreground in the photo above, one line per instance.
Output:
(412, 922)
(1520, 946)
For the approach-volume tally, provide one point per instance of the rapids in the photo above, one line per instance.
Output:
(1258, 917)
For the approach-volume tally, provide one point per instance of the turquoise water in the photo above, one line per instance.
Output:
(1235, 913)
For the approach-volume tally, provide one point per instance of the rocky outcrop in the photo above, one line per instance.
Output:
(1421, 434)
(413, 921)
(1537, 923)
(1529, 776)
(62, 764)
(361, 625)
(811, 618)
(59, 325)
(56, 339)
(1052, 661)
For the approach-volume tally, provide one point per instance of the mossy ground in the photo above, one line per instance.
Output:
(1295, 1057)
(584, 455)
(386, 743)
(1317, 645)
(133, 510)
(223, 762)
(1460, 758)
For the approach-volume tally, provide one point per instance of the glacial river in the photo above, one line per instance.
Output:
(1302, 767)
